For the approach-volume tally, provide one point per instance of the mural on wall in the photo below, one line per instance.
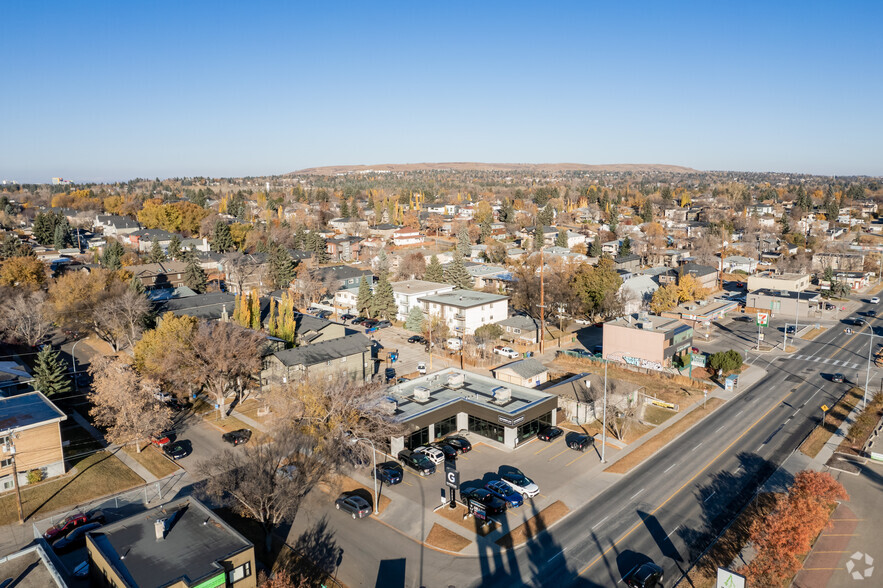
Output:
(643, 363)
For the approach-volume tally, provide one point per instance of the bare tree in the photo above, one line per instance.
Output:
(23, 318)
(120, 319)
(124, 403)
(267, 482)
(242, 269)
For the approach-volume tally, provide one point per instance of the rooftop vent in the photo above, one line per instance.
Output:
(159, 527)
(421, 394)
(455, 381)
(502, 394)
(647, 325)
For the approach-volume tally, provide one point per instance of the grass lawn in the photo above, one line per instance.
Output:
(97, 475)
(656, 415)
(444, 538)
(533, 526)
(863, 426)
(835, 417)
(455, 515)
(652, 445)
(154, 460)
(813, 333)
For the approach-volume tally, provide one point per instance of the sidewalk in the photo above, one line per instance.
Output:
(116, 450)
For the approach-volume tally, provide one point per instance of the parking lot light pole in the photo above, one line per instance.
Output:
(604, 418)
(74, 358)
(374, 455)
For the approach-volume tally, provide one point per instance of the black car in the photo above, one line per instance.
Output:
(871, 313)
(492, 504)
(579, 441)
(176, 450)
(323, 314)
(358, 320)
(449, 450)
(647, 575)
(790, 330)
(417, 339)
(459, 443)
(347, 317)
(417, 462)
(74, 539)
(549, 434)
(353, 504)
(383, 324)
(237, 437)
(389, 473)
(837, 378)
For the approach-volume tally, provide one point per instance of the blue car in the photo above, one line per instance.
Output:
(389, 473)
(501, 489)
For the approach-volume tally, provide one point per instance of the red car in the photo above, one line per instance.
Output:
(161, 440)
(65, 525)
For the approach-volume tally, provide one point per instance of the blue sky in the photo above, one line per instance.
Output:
(115, 90)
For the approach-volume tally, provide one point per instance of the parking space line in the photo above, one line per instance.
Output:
(548, 445)
(582, 455)
(559, 453)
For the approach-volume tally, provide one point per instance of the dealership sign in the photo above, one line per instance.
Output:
(510, 422)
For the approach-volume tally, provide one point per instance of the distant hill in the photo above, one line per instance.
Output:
(470, 166)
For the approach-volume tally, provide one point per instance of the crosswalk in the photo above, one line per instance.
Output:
(824, 360)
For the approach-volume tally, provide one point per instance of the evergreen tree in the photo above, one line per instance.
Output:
(222, 238)
(50, 372)
(434, 271)
(156, 254)
(113, 253)
(44, 228)
(647, 211)
(546, 215)
(383, 304)
(486, 230)
(464, 243)
(364, 300)
(194, 276)
(415, 320)
(561, 239)
(344, 209)
(457, 275)
(507, 212)
(595, 248)
(625, 247)
(786, 225)
(62, 237)
(236, 205)
(281, 267)
(174, 250)
(300, 238)
(317, 244)
(382, 263)
(539, 237)
(136, 285)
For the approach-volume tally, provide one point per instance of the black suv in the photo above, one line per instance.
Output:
(648, 575)
(492, 504)
(578, 441)
(417, 462)
(417, 339)
(237, 437)
(459, 443)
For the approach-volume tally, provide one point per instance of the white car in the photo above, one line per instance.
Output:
(875, 300)
(521, 483)
(506, 352)
(421, 368)
(436, 456)
(583, 321)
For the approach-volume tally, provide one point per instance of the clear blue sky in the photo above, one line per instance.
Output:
(118, 89)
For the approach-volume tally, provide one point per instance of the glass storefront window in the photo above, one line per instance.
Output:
(445, 427)
(417, 438)
(531, 428)
(486, 428)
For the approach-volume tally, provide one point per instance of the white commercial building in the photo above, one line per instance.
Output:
(466, 310)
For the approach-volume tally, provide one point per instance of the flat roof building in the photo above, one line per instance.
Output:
(463, 311)
(646, 340)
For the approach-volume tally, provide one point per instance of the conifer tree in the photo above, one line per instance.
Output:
(174, 249)
(595, 248)
(113, 252)
(415, 320)
(194, 276)
(625, 247)
(156, 255)
(464, 243)
(62, 237)
(50, 373)
(434, 271)
(222, 238)
(457, 275)
(561, 239)
(539, 236)
(344, 208)
(383, 303)
(281, 267)
(364, 300)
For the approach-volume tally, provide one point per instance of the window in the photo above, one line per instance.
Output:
(445, 427)
(236, 574)
(5, 463)
(4, 440)
(485, 428)
(8, 484)
(417, 438)
(516, 331)
(531, 428)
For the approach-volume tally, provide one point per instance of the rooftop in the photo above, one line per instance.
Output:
(526, 368)
(464, 298)
(27, 410)
(476, 389)
(791, 295)
(323, 351)
(636, 321)
(33, 567)
(195, 540)
(417, 286)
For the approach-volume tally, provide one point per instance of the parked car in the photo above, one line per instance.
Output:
(347, 317)
(370, 323)
(359, 320)
(434, 454)
(583, 321)
(549, 434)
(874, 300)
(450, 451)
(454, 344)
(492, 504)
(383, 324)
(313, 310)
(521, 483)
(648, 575)
(389, 473)
(459, 443)
(579, 441)
(417, 339)
(177, 450)
(421, 368)
(504, 491)
(74, 539)
(837, 378)
(355, 505)
(506, 351)
(237, 437)
(417, 462)
(790, 329)
(161, 440)
(64, 526)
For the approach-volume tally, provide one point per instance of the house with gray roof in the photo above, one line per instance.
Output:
(529, 373)
(349, 355)
(521, 329)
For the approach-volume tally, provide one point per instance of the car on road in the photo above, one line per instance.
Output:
(492, 504)
(421, 368)
(520, 483)
(389, 473)
(75, 539)
(579, 441)
(790, 329)
(347, 317)
(874, 300)
(64, 526)
(370, 323)
(857, 320)
(434, 454)
(506, 351)
(417, 462)
(871, 314)
(383, 324)
(324, 314)
(177, 450)
(353, 504)
(459, 443)
(549, 434)
(647, 575)
(583, 321)
(502, 490)
(417, 339)
(237, 437)
(837, 378)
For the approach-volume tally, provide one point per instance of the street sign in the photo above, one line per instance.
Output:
(477, 510)
(825, 408)
(698, 360)
(763, 319)
(452, 479)
(728, 579)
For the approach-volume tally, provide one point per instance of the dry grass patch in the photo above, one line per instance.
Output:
(250, 409)
(154, 460)
(455, 515)
(593, 428)
(863, 426)
(444, 538)
(340, 484)
(813, 333)
(656, 415)
(652, 445)
(835, 417)
(534, 526)
(97, 475)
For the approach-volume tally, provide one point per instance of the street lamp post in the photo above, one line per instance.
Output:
(604, 418)
(74, 358)
(374, 455)
(868, 373)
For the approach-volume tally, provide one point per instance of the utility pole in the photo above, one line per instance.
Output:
(542, 301)
(9, 449)
(604, 418)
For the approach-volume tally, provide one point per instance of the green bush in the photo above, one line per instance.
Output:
(724, 362)
(35, 476)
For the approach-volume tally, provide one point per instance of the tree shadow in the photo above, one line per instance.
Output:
(318, 545)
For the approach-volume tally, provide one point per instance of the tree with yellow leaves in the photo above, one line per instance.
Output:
(665, 298)
(25, 271)
(689, 289)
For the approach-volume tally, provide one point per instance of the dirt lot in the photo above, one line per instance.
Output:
(444, 538)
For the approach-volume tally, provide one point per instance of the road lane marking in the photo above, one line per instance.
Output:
(669, 467)
(710, 495)
(557, 554)
(672, 531)
(635, 495)
(599, 523)
(740, 412)
(695, 448)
